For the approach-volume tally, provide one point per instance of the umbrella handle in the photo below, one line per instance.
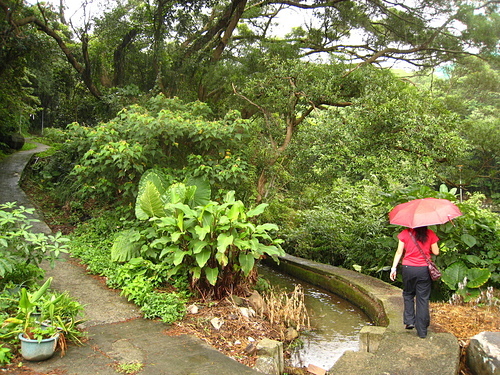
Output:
(451, 220)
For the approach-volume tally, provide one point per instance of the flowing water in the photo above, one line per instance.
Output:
(335, 322)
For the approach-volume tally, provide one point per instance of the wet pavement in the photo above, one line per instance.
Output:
(117, 334)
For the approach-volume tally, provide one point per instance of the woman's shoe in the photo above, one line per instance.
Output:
(409, 326)
(422, 335)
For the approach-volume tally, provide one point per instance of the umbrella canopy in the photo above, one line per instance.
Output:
(423, 212)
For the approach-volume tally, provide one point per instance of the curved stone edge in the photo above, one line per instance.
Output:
(383, 304)
(380, 301)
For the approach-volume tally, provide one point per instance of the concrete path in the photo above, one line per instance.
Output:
(117, 333)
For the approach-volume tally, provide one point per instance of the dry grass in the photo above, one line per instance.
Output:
(287, 309)
(239, 334)
(465, 321)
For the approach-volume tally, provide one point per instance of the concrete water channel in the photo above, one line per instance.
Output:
(335, 323)
(385, 348)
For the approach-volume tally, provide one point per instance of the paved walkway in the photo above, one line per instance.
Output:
(117, 334)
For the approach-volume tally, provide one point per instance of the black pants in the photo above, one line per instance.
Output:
(416, 293)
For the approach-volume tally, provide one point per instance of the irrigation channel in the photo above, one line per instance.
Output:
(335, 322)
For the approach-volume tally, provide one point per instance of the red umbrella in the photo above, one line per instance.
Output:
(423, 212)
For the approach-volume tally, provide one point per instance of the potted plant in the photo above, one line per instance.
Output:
(38, 341)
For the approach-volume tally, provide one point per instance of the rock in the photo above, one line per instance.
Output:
(251, 349)
(291, 334)
(14, 141)
(192, 309)
(483, 353)
(370, 338)
(217, 323)
(257, 303)
(247, 312)
(267, 365)
(272, 349)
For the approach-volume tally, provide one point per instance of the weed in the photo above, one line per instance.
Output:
(129, 367)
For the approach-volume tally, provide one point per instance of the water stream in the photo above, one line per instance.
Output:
(336, 323)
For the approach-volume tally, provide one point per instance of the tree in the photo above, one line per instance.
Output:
(471, 88)
(202, 33)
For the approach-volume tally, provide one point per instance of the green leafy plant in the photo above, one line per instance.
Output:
(465, 281)
(107, 161)
(43, 314)
(19, 246)
(129, 367)
(23, 322)
(5, 355)
(215, 243)
(169, 307)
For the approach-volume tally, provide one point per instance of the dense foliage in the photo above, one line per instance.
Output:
(216, 244)
(20, 296)
(20, 247)
(106, 162)
(144, 98)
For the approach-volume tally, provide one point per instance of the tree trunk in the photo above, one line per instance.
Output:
(119, 57)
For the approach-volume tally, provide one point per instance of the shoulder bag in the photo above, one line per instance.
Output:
(434, 272)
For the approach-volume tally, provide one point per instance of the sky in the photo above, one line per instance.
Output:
(287, 19)
(74, 12)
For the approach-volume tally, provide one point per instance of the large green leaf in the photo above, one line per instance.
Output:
(235, 211)
(25, 302)
(198, 246)
(468, 239)
(247, 262)
(223, 241)
(257, 210)
(266, 227)
(242, 244)
(454, 274)
(201, 232)
(156, 177)
(149, 202)
(168, 250)
(202, 257)
(41, 291)
(202, 194)
(477, 277)
(195, 273)
(222, 259)
(211, 274)
(179, 256)
(126, 246)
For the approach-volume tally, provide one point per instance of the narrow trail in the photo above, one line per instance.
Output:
(117, 333)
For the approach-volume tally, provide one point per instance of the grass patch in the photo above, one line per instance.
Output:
(28, 146)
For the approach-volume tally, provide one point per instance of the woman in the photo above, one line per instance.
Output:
(416, 279)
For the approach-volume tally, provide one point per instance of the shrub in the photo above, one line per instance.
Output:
(215, 243)
(19, 246)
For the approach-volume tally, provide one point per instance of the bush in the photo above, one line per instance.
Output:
(20, 247)
(106, 162)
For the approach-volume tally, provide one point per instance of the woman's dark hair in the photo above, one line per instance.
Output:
(421, 234)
